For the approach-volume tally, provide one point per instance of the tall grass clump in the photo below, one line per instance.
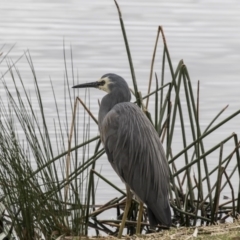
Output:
(44, 180)
(48, 177)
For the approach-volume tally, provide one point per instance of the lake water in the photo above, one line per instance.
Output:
(204, 33)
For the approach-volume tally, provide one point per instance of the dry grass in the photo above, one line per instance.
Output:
(227, 231)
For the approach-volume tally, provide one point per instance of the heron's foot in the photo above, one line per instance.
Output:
(151, 229)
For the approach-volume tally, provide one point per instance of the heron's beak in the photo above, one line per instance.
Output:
(86, 85)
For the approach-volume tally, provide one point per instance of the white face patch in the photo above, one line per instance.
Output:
(105, 86)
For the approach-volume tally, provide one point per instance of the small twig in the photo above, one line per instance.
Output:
(230, 185)
(69, 151)
(88, 111)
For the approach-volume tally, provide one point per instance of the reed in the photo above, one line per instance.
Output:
(44, 181)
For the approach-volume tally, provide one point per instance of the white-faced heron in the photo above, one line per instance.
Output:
(134, 150)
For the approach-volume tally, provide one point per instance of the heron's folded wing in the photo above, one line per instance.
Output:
(135, 151)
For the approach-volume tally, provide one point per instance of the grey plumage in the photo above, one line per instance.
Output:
(133, 147)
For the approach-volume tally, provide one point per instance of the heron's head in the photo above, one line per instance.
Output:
(108, 82)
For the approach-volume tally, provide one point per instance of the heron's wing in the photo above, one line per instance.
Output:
(136, 154)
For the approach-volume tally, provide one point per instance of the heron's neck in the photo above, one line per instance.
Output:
(109, 101)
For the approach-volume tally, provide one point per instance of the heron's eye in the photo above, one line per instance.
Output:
(102, 83)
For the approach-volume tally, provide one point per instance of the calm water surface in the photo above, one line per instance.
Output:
(204, 33)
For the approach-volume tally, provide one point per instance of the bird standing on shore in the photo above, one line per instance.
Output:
(133, 149)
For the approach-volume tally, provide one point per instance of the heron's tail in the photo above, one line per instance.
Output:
(163, 218)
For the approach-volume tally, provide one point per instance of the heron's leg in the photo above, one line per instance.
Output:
(140, 213)
(127, 206)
